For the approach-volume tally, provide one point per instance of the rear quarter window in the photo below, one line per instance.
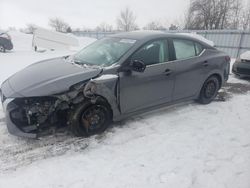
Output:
(198, 48)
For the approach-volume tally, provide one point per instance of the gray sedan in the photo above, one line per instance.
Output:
(111, 79)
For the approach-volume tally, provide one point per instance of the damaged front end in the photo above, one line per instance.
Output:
(35, 116)
(31, 116)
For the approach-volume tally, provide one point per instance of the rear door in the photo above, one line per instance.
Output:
(189, 68)
(153, 86)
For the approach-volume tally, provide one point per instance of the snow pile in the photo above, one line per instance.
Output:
(23, 41)
(22, 55)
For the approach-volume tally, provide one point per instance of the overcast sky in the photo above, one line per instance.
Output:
(87, 13)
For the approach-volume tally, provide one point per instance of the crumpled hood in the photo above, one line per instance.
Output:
(47, 77)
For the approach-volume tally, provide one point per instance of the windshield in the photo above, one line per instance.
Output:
(104, 52)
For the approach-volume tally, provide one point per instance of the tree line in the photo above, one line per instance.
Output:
(200, 15)
(126, 21)
(218, 14)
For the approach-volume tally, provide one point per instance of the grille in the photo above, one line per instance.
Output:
(245, 61)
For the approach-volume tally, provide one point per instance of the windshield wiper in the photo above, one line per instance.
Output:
(82, 63)
(85, 64)
(78, 62)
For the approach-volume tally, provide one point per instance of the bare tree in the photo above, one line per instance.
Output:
(154, 25)
(246, 20)
(237, 14)
(126, 20)
(213, 14)
(58, 24)
(194, 17)
(11, 28)
(104, 27)
(30, 28)
(69, 30)
(173, 27)
(246, 17)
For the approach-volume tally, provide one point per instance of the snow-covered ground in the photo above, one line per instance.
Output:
(183, 146)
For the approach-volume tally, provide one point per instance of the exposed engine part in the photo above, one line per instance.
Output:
(38, 113)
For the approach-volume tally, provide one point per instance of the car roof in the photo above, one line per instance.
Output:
(150, 35)
(140, 35)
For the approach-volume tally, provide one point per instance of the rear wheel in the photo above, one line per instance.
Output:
(90, 119)
(209, 90)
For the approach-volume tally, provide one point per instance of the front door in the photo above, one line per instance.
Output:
(151, 87)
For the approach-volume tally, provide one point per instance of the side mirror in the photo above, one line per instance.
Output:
(138, 66)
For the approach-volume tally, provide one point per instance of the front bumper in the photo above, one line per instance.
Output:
(241, 69)
(8, 107)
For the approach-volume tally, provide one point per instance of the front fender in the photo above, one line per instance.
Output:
(106, 87)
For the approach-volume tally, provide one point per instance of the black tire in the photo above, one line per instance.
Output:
(89, 119)
(2, 48)
(209, 90)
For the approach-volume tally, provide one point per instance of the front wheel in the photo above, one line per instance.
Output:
(209, 90)
(89, 119)
(2, 48)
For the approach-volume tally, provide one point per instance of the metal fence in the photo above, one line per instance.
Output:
(92, 34)
(233, 42)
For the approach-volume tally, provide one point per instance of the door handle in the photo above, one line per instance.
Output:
(167, 72)
(205, 63)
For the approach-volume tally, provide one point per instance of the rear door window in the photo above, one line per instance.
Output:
(184, 48)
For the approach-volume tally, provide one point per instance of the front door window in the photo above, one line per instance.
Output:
(152, 53)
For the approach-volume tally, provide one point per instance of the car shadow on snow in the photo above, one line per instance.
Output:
(7, 52)
(231, 89)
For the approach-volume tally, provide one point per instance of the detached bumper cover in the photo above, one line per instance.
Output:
(8, 106)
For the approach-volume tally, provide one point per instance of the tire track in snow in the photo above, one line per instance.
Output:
(17, 152)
